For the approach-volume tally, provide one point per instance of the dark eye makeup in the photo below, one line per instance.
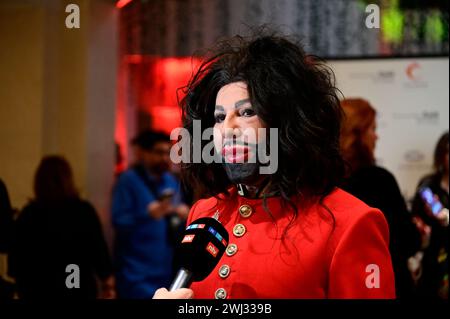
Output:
(219, 117)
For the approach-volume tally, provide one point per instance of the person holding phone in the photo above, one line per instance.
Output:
(145, 198)
(431, 203)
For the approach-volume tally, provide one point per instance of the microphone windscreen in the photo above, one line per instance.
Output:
(201, 247)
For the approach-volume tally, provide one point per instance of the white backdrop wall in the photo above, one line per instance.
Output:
(411, 97)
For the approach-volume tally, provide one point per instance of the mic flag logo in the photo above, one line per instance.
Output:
(188, 239)
(212, 249)
(195, 226)
(217, 235)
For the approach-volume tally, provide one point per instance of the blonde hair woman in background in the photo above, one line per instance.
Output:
(377, 187)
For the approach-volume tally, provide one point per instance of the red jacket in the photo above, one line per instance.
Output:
(318, 258)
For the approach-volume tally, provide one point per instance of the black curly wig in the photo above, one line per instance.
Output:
(288, 90)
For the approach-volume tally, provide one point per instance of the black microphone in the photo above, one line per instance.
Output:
(201, 248)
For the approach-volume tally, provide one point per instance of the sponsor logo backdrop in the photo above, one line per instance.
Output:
(411, 97)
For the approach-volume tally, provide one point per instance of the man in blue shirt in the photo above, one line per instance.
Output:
(143, 199)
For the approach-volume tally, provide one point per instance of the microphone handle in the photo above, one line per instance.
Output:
(182, 279)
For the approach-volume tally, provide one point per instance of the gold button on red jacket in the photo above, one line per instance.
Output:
(341, 252)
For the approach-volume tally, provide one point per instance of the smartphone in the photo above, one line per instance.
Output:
(428, 197)
(167, 194)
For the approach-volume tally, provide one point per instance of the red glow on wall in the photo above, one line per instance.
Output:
(149, 89)
(122, 3)
(163, 79)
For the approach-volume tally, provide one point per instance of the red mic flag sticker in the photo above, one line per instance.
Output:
(212, 249)
(188, 239)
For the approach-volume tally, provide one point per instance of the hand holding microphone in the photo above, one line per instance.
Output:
(202, 246)
(182, 293)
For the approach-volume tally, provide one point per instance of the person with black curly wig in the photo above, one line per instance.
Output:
(293, 232)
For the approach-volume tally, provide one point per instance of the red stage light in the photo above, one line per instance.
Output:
(122, 3)
(149, 85)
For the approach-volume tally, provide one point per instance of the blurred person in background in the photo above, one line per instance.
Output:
(56, 229)
(6, 218)
(6, 223)
(378, 188)
(434, 279)
(146, 199)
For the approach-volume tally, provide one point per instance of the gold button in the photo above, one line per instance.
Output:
(224, 271)
(239, 230)
(220, 293)
(231, 249)
(245, 211)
